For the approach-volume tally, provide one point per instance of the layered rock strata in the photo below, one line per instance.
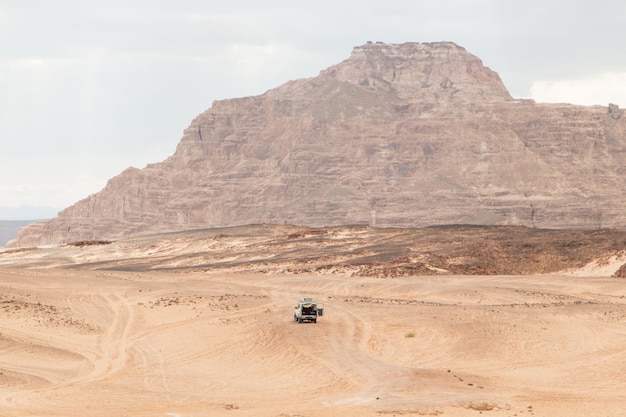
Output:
(395, 136)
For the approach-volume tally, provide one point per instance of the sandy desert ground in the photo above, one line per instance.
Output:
(80, 336)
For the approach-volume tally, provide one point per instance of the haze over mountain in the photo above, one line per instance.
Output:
(12, 219)
(25, 212)
(396, 136)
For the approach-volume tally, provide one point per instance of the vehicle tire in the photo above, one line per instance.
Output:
(300, 320)
(314, 320)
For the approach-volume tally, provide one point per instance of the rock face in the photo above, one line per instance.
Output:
(394, 136)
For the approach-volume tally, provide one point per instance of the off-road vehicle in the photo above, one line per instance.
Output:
(307, 310)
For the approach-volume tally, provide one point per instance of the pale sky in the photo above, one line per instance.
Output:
(90, 88)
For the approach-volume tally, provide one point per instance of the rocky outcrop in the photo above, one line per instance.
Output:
(394, 136)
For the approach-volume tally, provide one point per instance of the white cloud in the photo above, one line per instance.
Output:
(600, 89)
(57, 195)
(60, 181)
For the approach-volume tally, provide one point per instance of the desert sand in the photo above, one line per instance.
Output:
(78, 339)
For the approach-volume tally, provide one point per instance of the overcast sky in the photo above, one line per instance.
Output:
(89, 88)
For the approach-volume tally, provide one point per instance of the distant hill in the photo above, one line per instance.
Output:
(9, 228)
(407, 135)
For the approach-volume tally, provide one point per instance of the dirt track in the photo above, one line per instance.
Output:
(85, 342)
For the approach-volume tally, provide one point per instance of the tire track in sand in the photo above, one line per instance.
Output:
(110, 353)
(114, 344)
(107, 356)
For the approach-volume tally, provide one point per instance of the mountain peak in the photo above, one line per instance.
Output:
(420, 72)
(399, 135)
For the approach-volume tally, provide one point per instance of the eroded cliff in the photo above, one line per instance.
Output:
(395, 136)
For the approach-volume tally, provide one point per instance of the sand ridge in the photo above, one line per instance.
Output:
(89, 331)
(209, 345)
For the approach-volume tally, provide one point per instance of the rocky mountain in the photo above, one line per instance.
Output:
(404, 135)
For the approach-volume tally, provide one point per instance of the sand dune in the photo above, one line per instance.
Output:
(94, 344)
(80, 341)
